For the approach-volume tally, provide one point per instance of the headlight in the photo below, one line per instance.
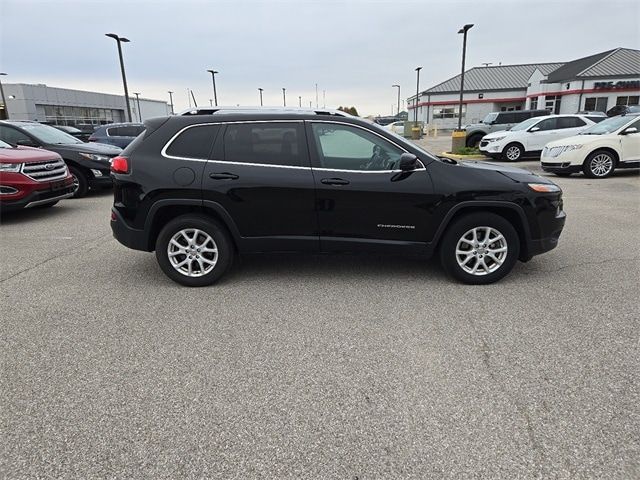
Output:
(495, 139)
(544, 187)
(10, 167)
(97, 158)
(557, 151)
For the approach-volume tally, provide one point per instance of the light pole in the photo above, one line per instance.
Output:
(324, 99)
(171, 100)
(213, 79)
(119, 41)
(398, 87)
(4, 101)
(464, 31)
(316, 95)
(300, 102)
(138, 103)
(211, 102)
(417, 93)
(260, 90)
(284, 96)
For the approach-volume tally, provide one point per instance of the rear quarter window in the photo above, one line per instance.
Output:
(194, 142)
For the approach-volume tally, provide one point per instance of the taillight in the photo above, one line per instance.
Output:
(120, 165)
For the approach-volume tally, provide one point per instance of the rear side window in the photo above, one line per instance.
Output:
(128, 131)
(194, 142)
(596, 119)
(506, 118)
(269, 143)
(569, 122)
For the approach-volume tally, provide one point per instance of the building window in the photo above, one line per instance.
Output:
(74, 116)
(595, 104)
(627, 100)
(552, 103)
(448, 111)
(534, 103)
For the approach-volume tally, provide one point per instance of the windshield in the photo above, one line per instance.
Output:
(4, 145)
(47, 134)
(526, 124)
(607, 126)
(490, 118)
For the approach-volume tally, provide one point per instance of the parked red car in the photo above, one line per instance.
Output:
(32, 177)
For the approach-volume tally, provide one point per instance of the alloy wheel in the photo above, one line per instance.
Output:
(513, 153)
(601, 165)
(481, 251)
(192, 252)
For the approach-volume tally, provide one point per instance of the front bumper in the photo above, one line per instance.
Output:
(128, 236)
(51, 192)
(559, 167)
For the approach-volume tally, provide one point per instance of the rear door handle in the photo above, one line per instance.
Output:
(223, 176)
(335, 181)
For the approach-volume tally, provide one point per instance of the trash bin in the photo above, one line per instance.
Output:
(416, 132)
(458, 140)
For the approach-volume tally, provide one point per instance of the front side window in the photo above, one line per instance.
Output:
(524, 125)
(47, 134)
(344, 147)
(194, 142)
(267, 143)
(548, 124)
(12, 135)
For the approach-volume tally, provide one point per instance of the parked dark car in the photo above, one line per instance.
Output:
(31, 178)
(198, 189)
(88, 162)
(118, 134)
(622, 110)
(73, 131)
(497, 121)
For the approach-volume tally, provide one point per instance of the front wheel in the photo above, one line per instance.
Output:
(513, 152)
(599, 164)
(479, 248)
(194, 250)
(80, 182)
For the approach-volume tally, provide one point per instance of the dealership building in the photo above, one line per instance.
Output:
(597, 82)
(62, 106)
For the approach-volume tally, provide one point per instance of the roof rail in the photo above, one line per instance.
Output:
(236, 109)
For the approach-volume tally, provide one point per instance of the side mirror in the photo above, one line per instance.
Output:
(534, 129)
(629, 130)
(408, 162)
(26, 143)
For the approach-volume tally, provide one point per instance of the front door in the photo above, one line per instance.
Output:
(630, 144)
(260, 174)
(363, 200)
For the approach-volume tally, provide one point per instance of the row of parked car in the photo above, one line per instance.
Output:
(43, 164)
(569, 144)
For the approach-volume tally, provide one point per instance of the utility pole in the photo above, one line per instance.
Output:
(138, 103)
(464, 31)
(171, 101)
(213, 79)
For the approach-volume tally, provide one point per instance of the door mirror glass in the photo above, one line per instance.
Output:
(408, 161)
(629, 130)
(534, 129)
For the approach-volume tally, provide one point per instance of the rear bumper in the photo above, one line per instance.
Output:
(128, 236)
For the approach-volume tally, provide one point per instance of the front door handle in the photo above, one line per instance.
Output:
(335, 181)
(223, 176)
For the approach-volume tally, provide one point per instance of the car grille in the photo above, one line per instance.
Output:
(45, 171)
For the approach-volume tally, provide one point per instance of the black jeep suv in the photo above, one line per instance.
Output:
(198, 189)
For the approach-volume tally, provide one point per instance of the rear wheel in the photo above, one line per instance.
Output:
(194, 250)
(479, 248)
(80, 182)
(513, 152)
(599, 164)
(474, 140)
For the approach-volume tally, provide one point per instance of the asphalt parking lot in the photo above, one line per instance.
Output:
(350, 367)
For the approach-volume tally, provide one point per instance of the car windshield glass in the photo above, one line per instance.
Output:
(490, 118)
(4, 145)
(607, 126)
(47, 134)
(526, 124)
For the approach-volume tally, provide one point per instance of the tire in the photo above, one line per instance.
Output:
(80, 181)
(474, 139)
(513, 152)
(459, 238)
(211, 236)
(599, 164)
(47, 205)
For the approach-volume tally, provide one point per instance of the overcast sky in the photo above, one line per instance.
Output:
(353, 49)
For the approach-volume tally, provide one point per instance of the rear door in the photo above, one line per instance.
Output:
(260, 174)
(363, 200)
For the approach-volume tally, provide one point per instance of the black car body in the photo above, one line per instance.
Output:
(118, 134)
(73, 131)
(89, 163)
(317, 182)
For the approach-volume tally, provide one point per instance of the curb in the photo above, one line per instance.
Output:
(463, 157)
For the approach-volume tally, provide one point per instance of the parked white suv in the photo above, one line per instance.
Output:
(530, 136)
(598, 150)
